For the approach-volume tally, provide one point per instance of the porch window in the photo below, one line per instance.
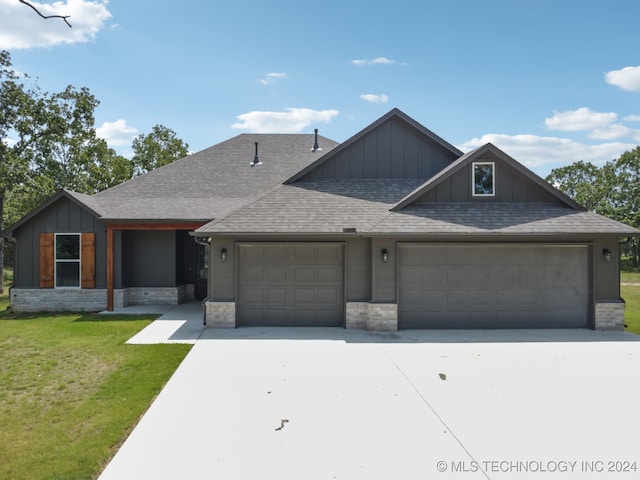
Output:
(67, 260)
(483, 179)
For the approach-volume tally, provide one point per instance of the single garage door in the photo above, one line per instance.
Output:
(493, 286)
(290, 285)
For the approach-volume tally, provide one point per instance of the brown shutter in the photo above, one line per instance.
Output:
(46, 260)
(88, 260)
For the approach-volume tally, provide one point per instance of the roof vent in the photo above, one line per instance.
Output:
(316, 147)
(256, 160)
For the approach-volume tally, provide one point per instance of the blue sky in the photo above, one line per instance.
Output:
(549, 82)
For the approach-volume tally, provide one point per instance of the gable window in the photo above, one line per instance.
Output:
(67, 260)
(484, 179)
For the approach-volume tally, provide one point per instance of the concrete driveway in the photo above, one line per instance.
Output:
(298, 404)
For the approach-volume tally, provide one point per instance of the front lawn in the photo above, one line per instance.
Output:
(631, 295)
(71, 390)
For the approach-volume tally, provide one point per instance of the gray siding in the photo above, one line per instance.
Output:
(392, 150)
(150, 259)
(64, 216)
(510, 186)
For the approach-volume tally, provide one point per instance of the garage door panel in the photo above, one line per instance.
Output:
(328, 275)
(274, 275)
(275, 295)
(327, 296)
(254, 295)
(304, 295)
(295, 285)
(493, 286)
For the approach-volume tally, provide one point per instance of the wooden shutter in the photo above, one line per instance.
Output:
(88, 260)
(47, 260)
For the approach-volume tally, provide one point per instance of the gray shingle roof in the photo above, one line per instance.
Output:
(497, 218)
(318, 206)
(211, 183)
(327, 206)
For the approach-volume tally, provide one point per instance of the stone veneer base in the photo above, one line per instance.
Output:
(609, 316)
(29, 300)
(381, 317)
(220, 314)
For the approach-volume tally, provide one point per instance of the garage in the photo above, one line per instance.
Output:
(469, 286)
(291, 284)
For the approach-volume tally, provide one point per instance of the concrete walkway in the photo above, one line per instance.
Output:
(298, 403)
(177, 324)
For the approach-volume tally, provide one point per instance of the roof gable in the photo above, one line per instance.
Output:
(513, 183)
(394, 146)
(85, 202)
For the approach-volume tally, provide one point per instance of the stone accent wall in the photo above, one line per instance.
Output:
(155, 295)
(357, 314)
(610, 316)
(381, 317)
(58, 300)
(25, 300)
(220, 314)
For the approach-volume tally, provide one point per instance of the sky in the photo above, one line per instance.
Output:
(550, 82)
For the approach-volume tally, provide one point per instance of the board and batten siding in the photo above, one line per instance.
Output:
(64, 216)
(392, 150)
(510, 186)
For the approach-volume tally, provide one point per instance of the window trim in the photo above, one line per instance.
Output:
(56, 261)
(473, 180)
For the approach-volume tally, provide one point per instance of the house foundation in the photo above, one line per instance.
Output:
(30, 300)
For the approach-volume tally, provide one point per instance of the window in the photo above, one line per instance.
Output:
(67, 260)
(483, 178)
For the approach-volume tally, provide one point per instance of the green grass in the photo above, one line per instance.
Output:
(71, 390)
(630, 277)
(631, 295)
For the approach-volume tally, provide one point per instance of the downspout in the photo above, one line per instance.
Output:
(207, 244)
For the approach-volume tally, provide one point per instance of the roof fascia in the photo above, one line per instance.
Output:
(392, 113)
(473, 155)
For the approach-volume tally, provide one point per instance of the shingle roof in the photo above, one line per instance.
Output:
(213, 182)
(318, 206)
(498, 218)
(328, 206)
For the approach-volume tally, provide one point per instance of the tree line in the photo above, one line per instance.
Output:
(48, 142)
(612, 190)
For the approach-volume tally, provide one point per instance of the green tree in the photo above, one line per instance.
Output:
(156, 149)
(48, 142)
(612, 190)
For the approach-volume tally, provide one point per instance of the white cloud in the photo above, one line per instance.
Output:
(580, 119)
(632, 118)
(611, 132)
(374, 61)
(627, 78)
(292, 120)
(272, 77)
(117, 134)
(21, 27)
(372, 98)
(543, 153)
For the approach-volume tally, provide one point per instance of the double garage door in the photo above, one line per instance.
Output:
(493, 286)
(290, 285)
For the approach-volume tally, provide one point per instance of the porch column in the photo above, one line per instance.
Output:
(110, 268)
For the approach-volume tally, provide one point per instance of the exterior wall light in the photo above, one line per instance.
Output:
(385, 255)
(606, 254)
(223, 254)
